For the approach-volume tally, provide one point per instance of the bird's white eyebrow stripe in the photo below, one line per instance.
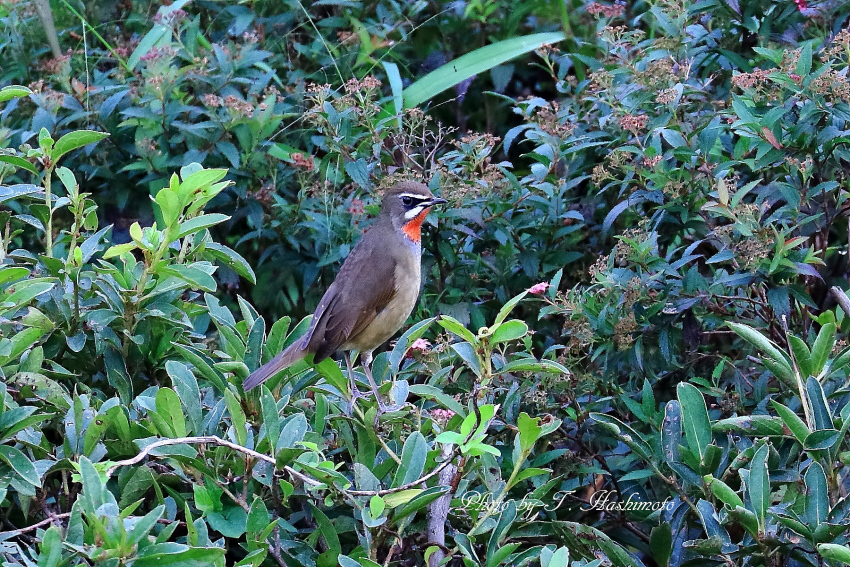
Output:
(416, 196)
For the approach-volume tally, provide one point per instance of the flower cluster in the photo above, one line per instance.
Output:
(213, 101)
(634, 123)
(157, 53)
(666, 96)
(442, 416)
(302, 161)
(238, 106)
(596, 9)
(170, 19)
(549, 121)
(355, 207)
(756, 78)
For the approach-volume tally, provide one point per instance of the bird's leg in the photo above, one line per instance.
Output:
(355, 393)
(366, 360)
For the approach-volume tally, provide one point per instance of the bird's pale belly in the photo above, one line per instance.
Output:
(391, 318)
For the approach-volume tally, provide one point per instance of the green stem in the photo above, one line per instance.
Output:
(48, 200)
(98, 36)
(498, 501)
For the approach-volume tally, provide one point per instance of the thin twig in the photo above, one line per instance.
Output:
(15, 533)
(215, 440)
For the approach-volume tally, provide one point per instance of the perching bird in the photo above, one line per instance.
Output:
(373, 294)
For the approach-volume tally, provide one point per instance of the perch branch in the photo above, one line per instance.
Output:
(215, 440)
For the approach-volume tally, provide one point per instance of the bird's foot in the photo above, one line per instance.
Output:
(355, 394)
(386, 409)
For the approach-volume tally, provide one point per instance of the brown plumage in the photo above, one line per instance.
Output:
(374, 292)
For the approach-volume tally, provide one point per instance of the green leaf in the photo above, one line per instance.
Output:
(231, 259)
(118, 249)
(9, 92)
(169, 409)
(661, 543)
(767, 347)
(237, 417)
(179, 555)
(258, 519)
(196, 278)
(143, 526)
(203, 364)
(801, 355)
(759, 485)
(434, 393)
(560, 558)
(792, 421)
(196, 224)
(231, 521)
(271, 418)
(820, 408)
(276, 338)
(93, 490)
(507, 308)
(479, 61)
(74, 140)
(671, 431)
(497, 536)
(822, 348)
(821, 439)
(817, 495)
(528, 431)
(200, 179)
(625, 433)
(804, 63)
(509, 331)
(50, 554)
(330, 371)
(25, 292)
(759, 425)
(376, 506)
(723, 491)
(186, 385)
(156, 34)
(414, 504)
(20, 464)
(169, 206)
(834, 552)
(695, 420)
(452, 325)
(747, 519)
(292, 431)
(327, 530)
(531, 365)
(19, 162)
(405, 341)
(413, 456)
(396, 87)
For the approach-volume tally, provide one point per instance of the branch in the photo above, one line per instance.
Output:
(15, 533)
(215, 440)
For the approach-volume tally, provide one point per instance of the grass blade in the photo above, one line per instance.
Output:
(478, 61)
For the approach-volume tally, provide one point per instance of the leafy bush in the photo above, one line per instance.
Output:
(661, 202)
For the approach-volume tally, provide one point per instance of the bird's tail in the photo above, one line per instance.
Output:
(290, 355)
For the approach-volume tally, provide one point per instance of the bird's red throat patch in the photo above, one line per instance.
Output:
(413, 228)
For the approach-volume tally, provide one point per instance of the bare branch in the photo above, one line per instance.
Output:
(215, 440)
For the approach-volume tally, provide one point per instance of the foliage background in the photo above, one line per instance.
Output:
(669, 181)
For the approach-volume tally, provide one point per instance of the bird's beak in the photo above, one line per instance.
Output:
(436, 201)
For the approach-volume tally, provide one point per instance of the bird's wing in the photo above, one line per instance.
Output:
(363, 287)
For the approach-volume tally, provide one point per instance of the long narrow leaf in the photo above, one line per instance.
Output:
(479, 61)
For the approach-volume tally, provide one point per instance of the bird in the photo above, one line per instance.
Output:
(373, 294)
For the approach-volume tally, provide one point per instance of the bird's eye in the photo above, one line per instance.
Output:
(406, 200)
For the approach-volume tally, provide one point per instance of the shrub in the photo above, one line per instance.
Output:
(658, 201)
